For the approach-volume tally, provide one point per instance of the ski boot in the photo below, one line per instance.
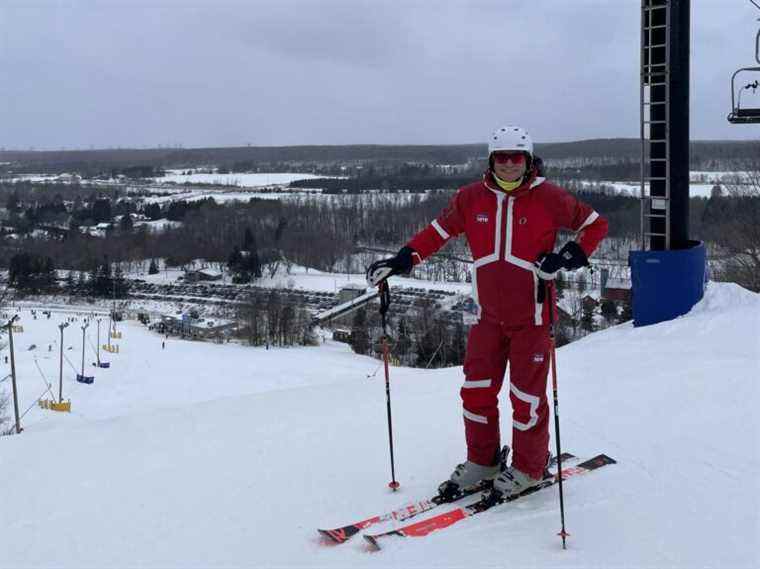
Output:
(468, 474)
(512, 482)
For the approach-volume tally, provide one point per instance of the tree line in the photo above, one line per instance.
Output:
(319, 232)
(703, 155)
(35, 273)
(270, 320)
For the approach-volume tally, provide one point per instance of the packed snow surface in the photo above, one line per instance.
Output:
(204, 455)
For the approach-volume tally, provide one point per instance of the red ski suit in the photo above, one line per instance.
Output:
(507, 233)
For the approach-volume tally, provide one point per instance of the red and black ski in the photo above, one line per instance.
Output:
(446, 519)
(343, 534)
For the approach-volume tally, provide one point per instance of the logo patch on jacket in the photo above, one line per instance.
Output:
(482, 218)
(538, 358)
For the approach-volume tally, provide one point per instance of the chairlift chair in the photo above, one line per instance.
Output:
(747, 115)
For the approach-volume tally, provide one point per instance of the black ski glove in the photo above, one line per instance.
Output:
(401, 264)
(570, 258)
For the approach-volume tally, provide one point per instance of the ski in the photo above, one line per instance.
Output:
(343, 534)
(446, 519)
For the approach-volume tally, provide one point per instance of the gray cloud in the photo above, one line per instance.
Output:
(77, 73)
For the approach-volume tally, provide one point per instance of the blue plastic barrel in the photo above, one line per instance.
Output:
(666, 284)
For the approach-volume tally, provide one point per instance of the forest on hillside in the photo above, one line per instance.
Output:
(704, 155)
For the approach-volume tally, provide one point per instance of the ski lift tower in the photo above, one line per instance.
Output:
(668, 273)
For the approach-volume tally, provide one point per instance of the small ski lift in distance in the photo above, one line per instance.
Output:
(746, 115)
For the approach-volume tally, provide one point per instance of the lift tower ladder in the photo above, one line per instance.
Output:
(655, 125)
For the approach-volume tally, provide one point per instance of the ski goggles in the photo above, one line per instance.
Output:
(516, 158)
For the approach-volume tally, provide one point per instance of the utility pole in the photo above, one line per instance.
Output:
(9, 325)
(60, 364)
(97, 351)
(84, 329)
(113, 307)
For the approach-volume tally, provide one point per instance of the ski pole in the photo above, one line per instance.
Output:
(385, 301)
(553, 347)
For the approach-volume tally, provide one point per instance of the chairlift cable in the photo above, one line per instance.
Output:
(36, 402)
(755, 4)
(92, 346)
(44, 379)
(65, 357)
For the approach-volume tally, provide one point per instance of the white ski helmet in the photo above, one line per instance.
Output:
(512, 138)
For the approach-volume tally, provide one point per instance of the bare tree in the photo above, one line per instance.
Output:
(737, 230)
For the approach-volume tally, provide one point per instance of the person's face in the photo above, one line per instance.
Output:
(509, 166)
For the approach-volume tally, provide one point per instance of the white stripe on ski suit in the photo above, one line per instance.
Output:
(471, 384)
(493, 257)
(531, 400)
(441, 231)
(476, 418)
(522, 263)
(589, 220)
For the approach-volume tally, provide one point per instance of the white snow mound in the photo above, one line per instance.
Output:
(203, 455)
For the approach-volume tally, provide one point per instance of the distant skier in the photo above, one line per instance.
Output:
(510, 218)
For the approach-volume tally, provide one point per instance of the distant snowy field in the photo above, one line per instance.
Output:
(256, 180)
(696, 189)
(701, 184)
(224, 196)
(176, 176)
(634, 188)
(205, 455)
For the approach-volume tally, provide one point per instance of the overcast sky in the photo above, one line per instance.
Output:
(80, 74)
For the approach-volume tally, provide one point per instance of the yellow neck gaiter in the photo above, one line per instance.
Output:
(507, 186)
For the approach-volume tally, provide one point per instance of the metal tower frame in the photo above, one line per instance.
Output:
(655, 119)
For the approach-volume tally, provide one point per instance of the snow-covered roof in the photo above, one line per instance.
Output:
(619, 283)
(210, 272)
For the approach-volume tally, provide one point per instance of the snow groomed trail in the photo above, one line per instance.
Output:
(204, 455)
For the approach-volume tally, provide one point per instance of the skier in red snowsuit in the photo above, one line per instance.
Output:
(510, 219)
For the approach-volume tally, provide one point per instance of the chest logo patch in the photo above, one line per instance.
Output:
(482, 218)
(523, 220)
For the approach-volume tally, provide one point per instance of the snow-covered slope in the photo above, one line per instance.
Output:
(202, 455)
